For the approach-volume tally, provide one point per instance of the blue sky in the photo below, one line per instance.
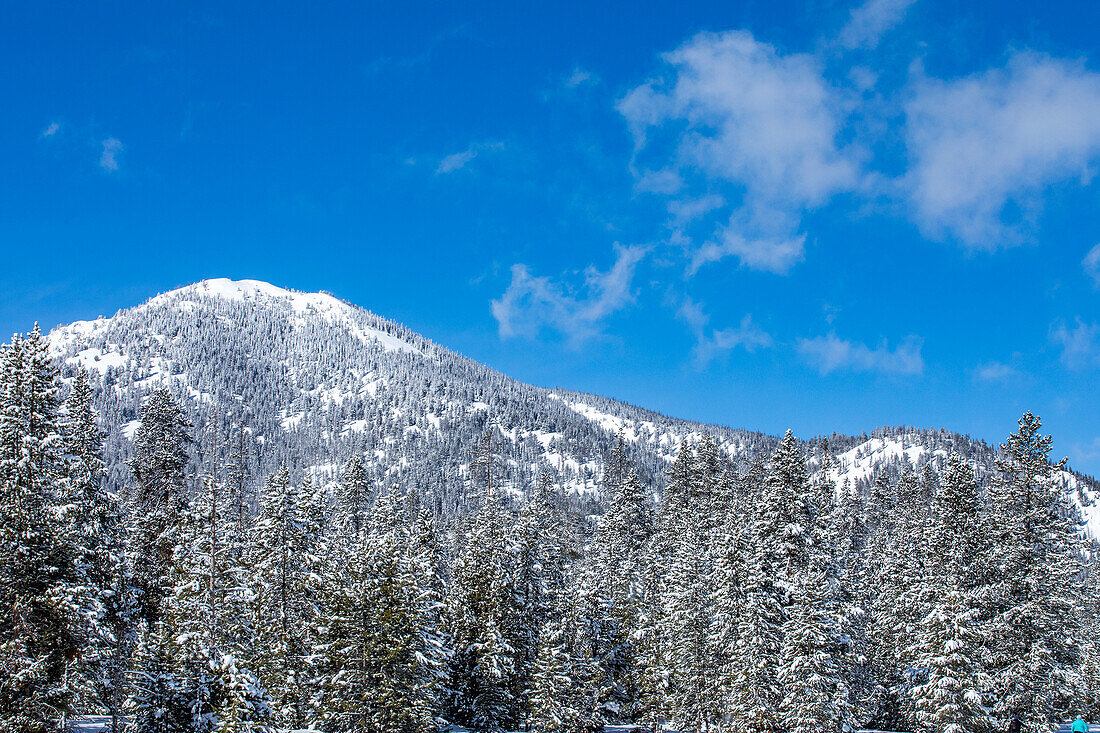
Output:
(816, 215)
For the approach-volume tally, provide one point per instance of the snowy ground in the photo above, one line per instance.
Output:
(100, 724)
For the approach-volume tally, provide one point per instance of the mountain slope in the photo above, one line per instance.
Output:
(315, 380)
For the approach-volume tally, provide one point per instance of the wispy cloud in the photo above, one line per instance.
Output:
(532, 303)
(709, 342)
(580, 77)
(994, 371)
(983, 149)
(1087, 452)
(385, 64)
(1091, 263)
(870, 21)
(736, 112)
(665, 181)
(458, 161)
(1080, 344)
(51, 129)
(108, 159)
(830, 353)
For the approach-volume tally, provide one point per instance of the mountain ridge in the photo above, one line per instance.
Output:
(316, 379)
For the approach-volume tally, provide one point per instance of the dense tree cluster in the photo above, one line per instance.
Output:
(752, 593)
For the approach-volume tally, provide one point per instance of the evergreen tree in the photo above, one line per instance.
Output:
(99, 532)
(353, 501)
(729, 584)
(614, 578)
(565, 690)
(384, 650)
(951, 637)
(285, 601)
(1036, 629)
(158, 499)
(41, 629)
(482, 601)
(536, 563)
(242, 706)
(158, 702)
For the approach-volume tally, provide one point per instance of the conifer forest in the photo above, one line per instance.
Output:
(179, 589)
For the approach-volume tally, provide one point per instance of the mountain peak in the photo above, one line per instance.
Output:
(299, 307)
(243, 290)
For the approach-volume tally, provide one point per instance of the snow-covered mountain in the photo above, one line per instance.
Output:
(314, 380)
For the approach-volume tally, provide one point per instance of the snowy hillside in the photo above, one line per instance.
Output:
(314, 380)
(859, 466)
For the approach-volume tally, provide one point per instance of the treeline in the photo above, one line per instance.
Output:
(758, 597)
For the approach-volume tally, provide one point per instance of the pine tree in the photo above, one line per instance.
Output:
(353, 501)
(537, 564)
(950, 639)
(482, 669)
(99, 533)
(686, 599)
(1036, 628)
(285, 602)
(615, 578)
(734, 551)
(815, 693)
(157, 702)
(565, 688)
(384, 653)
(240, 493)
(242, 706)
(205, 581)
(41, 629)
(158, 500)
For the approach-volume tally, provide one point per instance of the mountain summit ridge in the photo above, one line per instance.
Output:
(316, 379)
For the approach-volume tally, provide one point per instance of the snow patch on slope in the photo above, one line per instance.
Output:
(863, 461)
(645, 432)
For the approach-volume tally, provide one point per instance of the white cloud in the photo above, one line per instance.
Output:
(776, 255)
(456, 161)
(580, 77)
(51, 130)
(994, 371)
(684, 211)
(746, 335)
(765, 124)
(983, 148)
(459, 160)
(1091, 263)
(1080, 344)
(532, 303)
(111, 148)
(870, 21)
(660, 181)
(1086, 452)
(829, 354)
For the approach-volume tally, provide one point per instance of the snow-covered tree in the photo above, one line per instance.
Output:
(1038, 549)
(353, 500)
(481, 604)
(383, 649)
(41, 585)
(285, 599)
(949, 641)
(564, 688)
(99, 528)
(158, 499)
